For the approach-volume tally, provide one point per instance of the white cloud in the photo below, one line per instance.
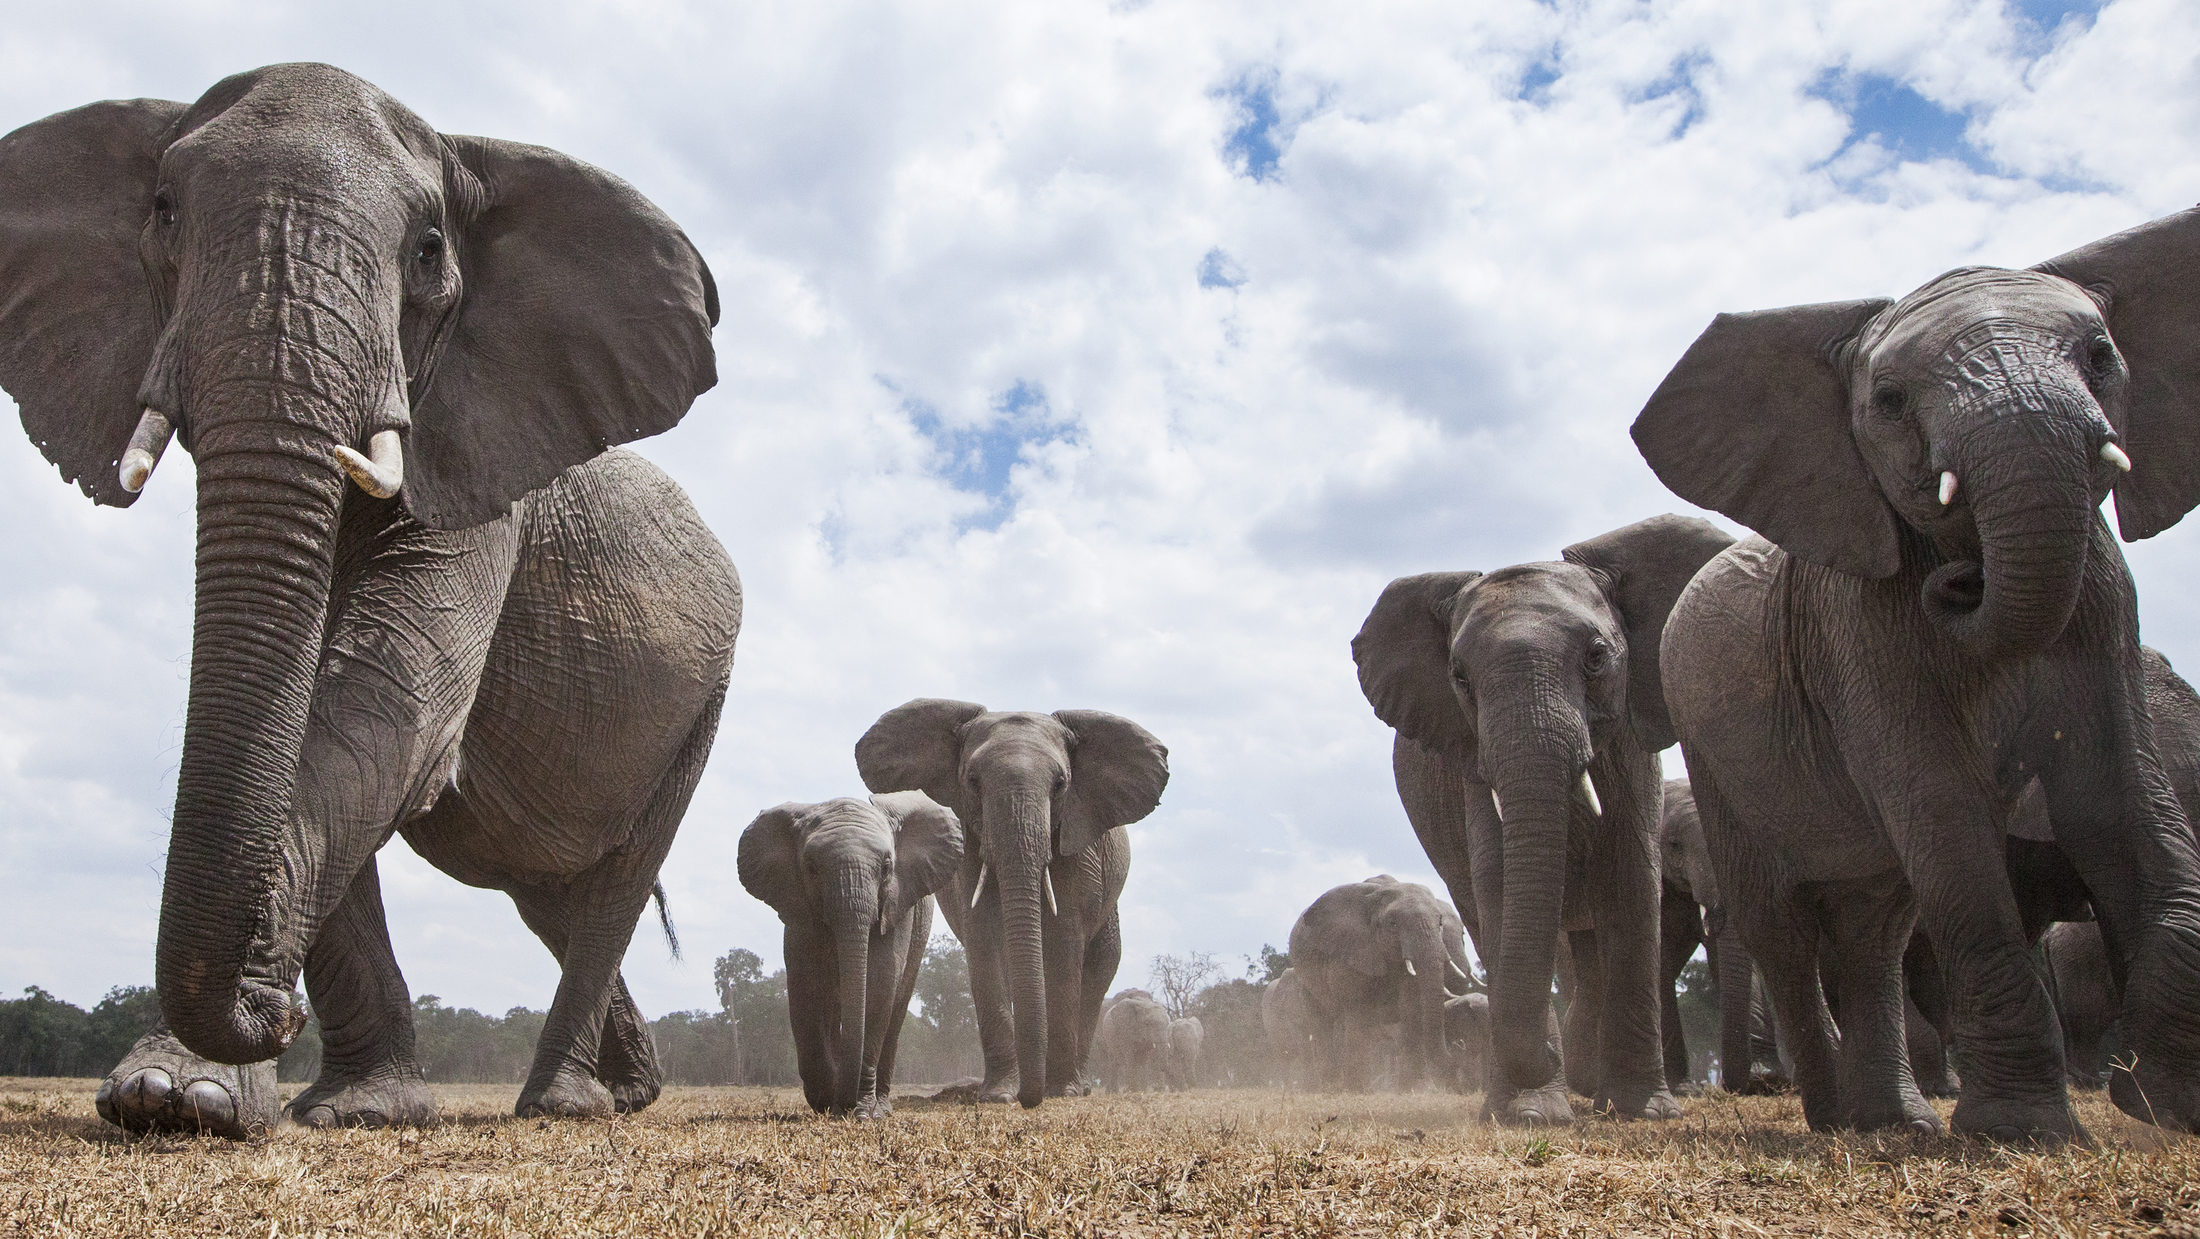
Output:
(1444, 304)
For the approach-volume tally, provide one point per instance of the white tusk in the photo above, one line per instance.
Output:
(1046, 876)
(147, 442)
(978, 889)
(1947, 488)
(1497, 804)
(381, 472)
(1456, 970)
(1589, 795)
(1409, 969)
(2115, 456)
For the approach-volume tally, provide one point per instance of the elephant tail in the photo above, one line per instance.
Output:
(664, 918)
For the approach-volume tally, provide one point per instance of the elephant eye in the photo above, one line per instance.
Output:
(430, 248)
(1888, 401)
(2101, 360)
(1599, 659)
(164, 209)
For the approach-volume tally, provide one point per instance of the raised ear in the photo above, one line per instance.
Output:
(1404, 654)
(2148, 280)
(928, 847)
(583, 321)
(1116, 773)
(1754, 422)
(917, 746)
(769, 861)
(1648, 564)
(77, 314)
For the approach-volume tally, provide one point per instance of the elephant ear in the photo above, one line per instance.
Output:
(583, 322)
(1404, 654)
(928, 848)
(1647, 565)
(2148, 282)
(78, 318)
(769, 861)
(1754, 422)
(918, 745)
(1117, 771)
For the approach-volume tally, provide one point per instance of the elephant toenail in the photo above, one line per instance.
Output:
(209, 1104)
(104, 1101)
(2005, 1134)
(1924, 1127)
(147, 1090)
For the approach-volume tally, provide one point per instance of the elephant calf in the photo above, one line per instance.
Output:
(1133, 1040)
(1284, 1016)
(1372, 953)
(853, 881)
(1186, 1036)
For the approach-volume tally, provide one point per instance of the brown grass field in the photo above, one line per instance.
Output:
(756, 1161)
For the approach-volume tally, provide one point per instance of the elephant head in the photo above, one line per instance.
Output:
(843, 875)
(1684, 856)
(1535, 679)
(335, 309)
(1963, 435)
(1029, 788)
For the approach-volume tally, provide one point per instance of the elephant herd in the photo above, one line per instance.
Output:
(433, 599)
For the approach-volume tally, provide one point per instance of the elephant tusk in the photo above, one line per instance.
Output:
(381, 472)
(1497, 804)
(1589, 796)
(1410, 970)
(1046, 878)
(1947, 488)
(979, 888)
(2115, 456)
(1457, 971)
(147, 442)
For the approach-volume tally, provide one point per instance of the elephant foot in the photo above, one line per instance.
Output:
(1657, 1106)
(876, 1106)
(2153, 1097)
(629, 1095)
(568, 1095)
(391, 1097)
(1541, 1107)
(1761, 1084)
(1945, 1086)
(1910, 1114)
(2019, 1122)
(161, 1086)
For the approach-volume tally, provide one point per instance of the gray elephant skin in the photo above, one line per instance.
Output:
(1529, 715)
(426, 600)
(1289, 1026)
(1187, 1037)
(1043, 799)
(1936, 614)
(1372, 953)
(1467, 1034)
(1132, 1043)
(852, 880)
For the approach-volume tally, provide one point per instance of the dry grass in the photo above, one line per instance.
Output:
(746, 1161)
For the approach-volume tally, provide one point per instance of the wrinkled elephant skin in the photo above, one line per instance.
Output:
(1374, 953)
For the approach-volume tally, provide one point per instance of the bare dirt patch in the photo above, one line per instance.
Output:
(756, 1161)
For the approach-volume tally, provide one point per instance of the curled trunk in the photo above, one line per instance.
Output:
(2034, 514)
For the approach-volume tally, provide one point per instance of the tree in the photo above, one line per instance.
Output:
(757, 1005)
(939, 1039)
(1179, 978)
(1269, 966)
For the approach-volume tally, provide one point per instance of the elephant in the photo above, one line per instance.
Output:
(1289, 1024)
(2085, 997)
(1529, 718)
(1932, 614)
(853, 881)
(1372, 953)
(1043, 799)
(1467, 1033)
(1133, 1040)
(429, 600)
(1186, 1037)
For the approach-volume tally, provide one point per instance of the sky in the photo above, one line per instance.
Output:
(1105, 356)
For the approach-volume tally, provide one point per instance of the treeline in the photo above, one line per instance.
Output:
(746, 1041)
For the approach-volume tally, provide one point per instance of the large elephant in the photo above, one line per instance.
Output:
(1043, 799)
(1289, 1025)
(426, 601)
(853, 881)
(1132, 1041)
(1935, 615)
(1372, 953)
(1529, 720)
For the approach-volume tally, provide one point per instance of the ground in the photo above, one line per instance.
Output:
(756, 1161)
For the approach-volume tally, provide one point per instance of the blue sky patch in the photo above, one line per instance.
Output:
(1535, 84)
(1218, 270)
(978, 459)
(1255, 146)
(1905, 122)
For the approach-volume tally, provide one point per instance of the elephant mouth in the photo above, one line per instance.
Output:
(1955, 590)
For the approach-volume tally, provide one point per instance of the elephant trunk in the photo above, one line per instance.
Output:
(229, 949)
(1422, 1011)
(2034, 511)
(1537, 791)
(853, 913)
(1022, 846)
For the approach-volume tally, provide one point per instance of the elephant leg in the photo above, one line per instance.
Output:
(1630, 1053)
(161, 1086)
(989, 996)
(1680, 932)
(1103, 955)
(1868, 923)
(1062, 954)
(370, 1076)
(626, 1059)
(1584, 1013)
(920, 936)
(1932, 1035)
